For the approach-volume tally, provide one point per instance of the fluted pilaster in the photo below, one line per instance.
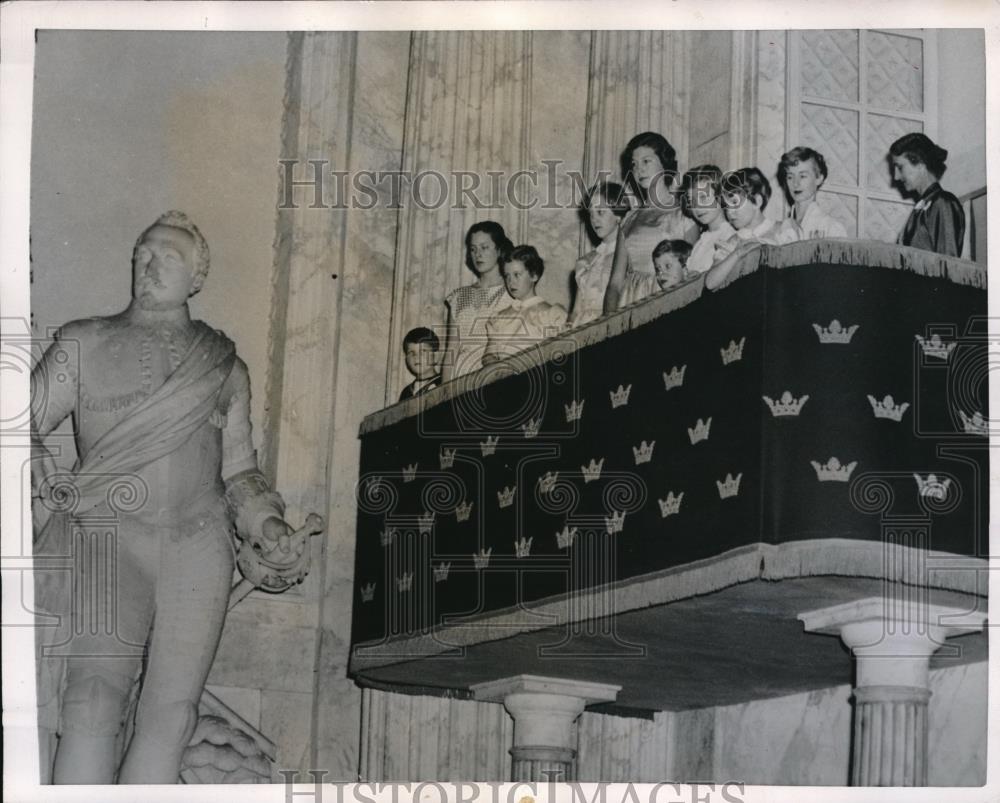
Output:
(890, 736)
(638, 82)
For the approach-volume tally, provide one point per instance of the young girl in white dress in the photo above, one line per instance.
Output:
(527, 319)
(605, 206)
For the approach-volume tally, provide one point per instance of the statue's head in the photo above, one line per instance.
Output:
(169, 262)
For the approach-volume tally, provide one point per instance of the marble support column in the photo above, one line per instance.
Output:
(345, 96)
(892, 645)
(468, 115)
(544, 710)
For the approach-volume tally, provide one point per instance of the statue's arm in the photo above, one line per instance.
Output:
(54, 389)
(55, 380)
(248, 492)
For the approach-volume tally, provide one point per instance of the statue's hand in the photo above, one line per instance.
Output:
(279, 543)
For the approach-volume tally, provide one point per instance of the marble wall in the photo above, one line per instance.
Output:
(800, 739)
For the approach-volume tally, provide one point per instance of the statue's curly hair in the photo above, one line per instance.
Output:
(179, 220)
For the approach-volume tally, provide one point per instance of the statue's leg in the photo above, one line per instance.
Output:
(111, 614)
(191, 595)
(93, 711)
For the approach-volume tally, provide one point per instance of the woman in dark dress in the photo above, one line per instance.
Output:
(937, 221)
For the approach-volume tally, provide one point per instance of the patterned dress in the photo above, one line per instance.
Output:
(521, 325)
(471, 306)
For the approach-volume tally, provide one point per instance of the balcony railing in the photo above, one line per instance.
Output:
(824, 415)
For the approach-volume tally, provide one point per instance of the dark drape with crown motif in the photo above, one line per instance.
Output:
(813, 402)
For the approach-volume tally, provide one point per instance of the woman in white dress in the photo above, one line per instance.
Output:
(650, 167)
(470, 306)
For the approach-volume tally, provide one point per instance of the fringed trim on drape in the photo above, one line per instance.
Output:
(874, 559)
(862, 253)
(875, 254)
(815, 558)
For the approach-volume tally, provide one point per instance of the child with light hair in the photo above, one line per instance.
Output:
(528, 318)
(702, 188)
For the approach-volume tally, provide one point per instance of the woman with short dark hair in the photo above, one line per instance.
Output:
(937, 221)
(470, 306)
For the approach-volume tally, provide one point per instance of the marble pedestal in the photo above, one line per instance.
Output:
(544, 710)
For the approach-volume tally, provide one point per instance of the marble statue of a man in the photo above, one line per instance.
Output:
(145, 520)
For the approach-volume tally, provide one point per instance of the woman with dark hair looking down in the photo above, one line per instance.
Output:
(937, 221)
(649, 164)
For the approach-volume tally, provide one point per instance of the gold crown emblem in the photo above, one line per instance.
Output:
(404, 583)
(463, 511)
(505, 498)
(619, 398)
(887, 408)
(566, 537)
(671, 505)
(675, 378)
(730, 486)
(700, 431)
(593, 471)
(447, 458)
(489, 446)
(531, 428)
(733, 352)
(387, 536)
(441, 572)
(425, 522)
(833, 471)
(643, 452)
(410, 472)
(547, 482)
(574, 411)
(482, 558)
(932, 487)
(935, 347)
(522, 548)
(786, 405)
(616, 523)
(975, 424)
(368, 592)
(835, 333)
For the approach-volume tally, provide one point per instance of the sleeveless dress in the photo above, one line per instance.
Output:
(643, 229)
(592, 271)
(470, 308)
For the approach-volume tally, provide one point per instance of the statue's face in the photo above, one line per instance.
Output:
(163, 268)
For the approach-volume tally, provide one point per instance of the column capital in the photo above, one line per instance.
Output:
(892, 638)
(544, 710)
(497, 691)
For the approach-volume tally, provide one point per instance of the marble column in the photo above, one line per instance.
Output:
(345, 96)
(544, 710)
(892, 644)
